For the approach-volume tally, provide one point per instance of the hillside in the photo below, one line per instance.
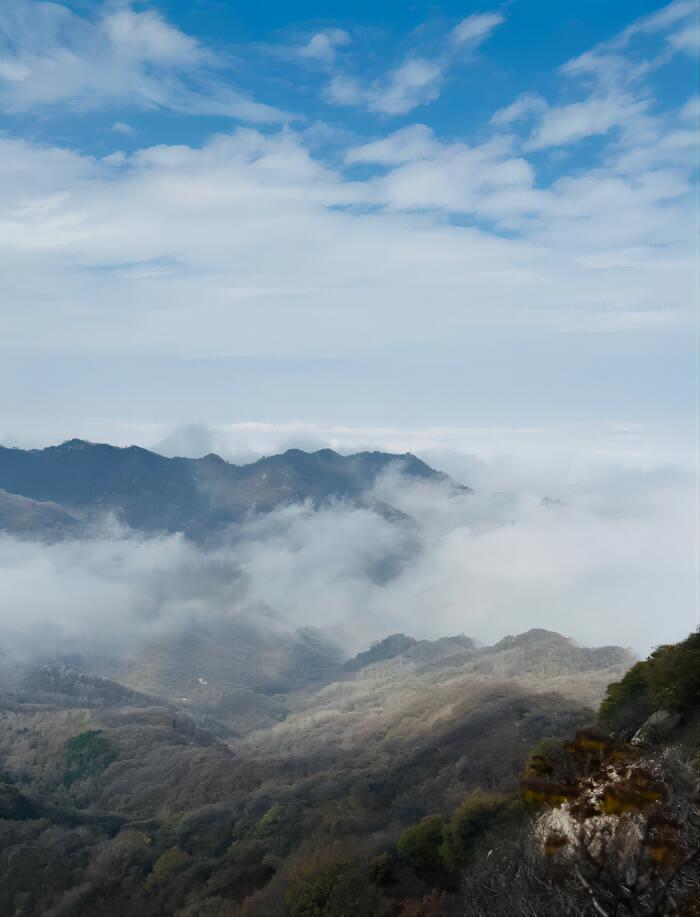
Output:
(143, 803)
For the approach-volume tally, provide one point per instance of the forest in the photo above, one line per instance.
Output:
(473, 795)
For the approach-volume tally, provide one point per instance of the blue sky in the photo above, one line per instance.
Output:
(414, 216)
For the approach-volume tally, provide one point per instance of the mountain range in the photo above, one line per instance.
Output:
(64, 488)
(232, 750)
(287, 781)
(225, 764)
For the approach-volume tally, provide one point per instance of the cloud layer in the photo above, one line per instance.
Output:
(117, 56)
(273, 242)
(613, 564)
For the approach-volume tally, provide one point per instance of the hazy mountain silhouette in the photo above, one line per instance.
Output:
(150, 492)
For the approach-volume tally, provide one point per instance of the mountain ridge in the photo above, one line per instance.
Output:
(152, 493)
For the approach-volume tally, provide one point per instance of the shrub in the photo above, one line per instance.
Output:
(674, 675)
(420, 846)
(167, 865)
(381, 869)
(339, 889)
(468, 823)
(308, 896)
(268, 820)
(87, 754)
(669, 678)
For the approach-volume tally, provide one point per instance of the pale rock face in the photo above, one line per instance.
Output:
(659, 725)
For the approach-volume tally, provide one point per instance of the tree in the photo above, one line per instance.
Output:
(421, 847)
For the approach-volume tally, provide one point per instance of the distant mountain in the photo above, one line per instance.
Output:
(400, 650)
(153, 493)
(231, 668)
(248, 676)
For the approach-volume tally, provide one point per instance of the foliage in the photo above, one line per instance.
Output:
(167, 865)
(674, 675)
(309, 895)
(268, 820)
(468, 823)
(87, 754)
(334, 889)
(381, 869)
(184, 824)
(668, 679)
(421, 846)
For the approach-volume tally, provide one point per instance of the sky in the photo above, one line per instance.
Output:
(464, 217)
(466, 230)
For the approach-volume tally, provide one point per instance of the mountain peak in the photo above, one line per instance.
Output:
(388, 648)
(213, 459)
(73, 444)
(536, 635)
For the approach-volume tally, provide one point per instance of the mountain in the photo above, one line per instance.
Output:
(229, 669)
(245, 677)
(151, 493)
(126, 798)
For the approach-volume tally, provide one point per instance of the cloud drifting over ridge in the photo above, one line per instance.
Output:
(614, 564)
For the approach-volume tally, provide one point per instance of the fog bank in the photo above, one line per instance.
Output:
(613, 561)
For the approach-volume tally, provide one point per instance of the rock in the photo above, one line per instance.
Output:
(659, 725)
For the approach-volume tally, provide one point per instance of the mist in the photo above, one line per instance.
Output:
(610, 559)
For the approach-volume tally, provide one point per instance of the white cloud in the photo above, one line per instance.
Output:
(565, 124)
(119, 127)
(691, 109)
(408, 144)
(548, 459)
(528, 103)
(597, 568)
(612, 75)
(414, 83)
(288, 257)
(146, 36)
(452, 177)
(646, 184)
(686, 39)
(323, 45)
(476, 28)
(666, 17)
(52, 55)
(284, 257)
(418, 80)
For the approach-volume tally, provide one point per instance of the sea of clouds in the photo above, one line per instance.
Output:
(609, 558)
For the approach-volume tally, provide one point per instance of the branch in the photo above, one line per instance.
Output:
(596, 906)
